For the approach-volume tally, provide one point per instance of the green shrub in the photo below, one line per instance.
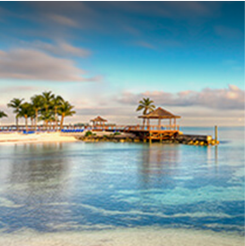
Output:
(88, 133)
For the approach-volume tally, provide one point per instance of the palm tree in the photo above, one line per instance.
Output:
(25, 111)
(147, 105)
(47, 98)
(2, 114)
(47, 117)
(37, 103)
(65, 110)
(56, 103)
(47, 102)
(16, 103)
(32, 115)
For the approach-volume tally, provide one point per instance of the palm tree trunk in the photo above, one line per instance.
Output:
(50, 126)
(36, 120)
(26, 120)
(61, 122)
(46, 125)
(32, 123)
(46, 122)
(56, 119)
(17, 123)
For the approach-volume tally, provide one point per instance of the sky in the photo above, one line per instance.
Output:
(103, 57)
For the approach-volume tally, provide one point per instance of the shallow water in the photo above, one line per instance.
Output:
(74, 187)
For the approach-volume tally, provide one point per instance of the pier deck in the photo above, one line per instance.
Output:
(150, 133)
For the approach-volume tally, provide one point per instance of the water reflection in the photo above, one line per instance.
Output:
(216, 154)
(61, 186)
(154, 159)
(37, 179)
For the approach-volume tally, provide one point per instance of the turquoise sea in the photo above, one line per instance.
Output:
(62, 188)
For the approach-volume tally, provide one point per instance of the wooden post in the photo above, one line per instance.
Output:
(150, 140)
(216, 133)
(174, 123)
(161, 138)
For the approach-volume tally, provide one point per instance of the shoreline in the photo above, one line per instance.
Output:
(20, 138)
(51, 137)
(123, 237)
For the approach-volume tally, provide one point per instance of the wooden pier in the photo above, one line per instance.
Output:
(155, 133)
(146, 132)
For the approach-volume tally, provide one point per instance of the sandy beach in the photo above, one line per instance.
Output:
(123, 237)
(6, 138)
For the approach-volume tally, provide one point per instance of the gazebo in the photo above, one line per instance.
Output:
(98, 121)
(160, 114)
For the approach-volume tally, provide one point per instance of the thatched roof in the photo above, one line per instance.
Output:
(98, 119)
(159, 113)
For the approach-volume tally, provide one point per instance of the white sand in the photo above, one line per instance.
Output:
(124, 237)
(35, 138)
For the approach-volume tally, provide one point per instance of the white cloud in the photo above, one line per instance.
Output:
(31, 64)
(60, 49)
(227, 98)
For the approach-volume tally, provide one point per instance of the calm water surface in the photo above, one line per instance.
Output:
(93, 186)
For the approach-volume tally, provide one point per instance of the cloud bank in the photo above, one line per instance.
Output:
(31, 64)
(78, 14)
(227, 98)
(167, 8)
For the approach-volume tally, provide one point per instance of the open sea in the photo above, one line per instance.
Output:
(124, 193)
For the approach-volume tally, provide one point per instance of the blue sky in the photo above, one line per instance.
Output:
(105, 56)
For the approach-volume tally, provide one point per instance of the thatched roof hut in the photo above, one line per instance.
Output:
(159, 113)
(98, 121)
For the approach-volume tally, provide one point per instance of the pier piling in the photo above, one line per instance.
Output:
(216, 133)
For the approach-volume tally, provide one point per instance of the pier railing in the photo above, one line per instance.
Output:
(152, 127)
(95, 128)
(135, 127)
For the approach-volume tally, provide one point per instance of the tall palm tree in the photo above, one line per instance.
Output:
(65, 110)
(56, 104)
(16, 103)
(37, 104)
(47, 102)
(147, 105)
(25, 111)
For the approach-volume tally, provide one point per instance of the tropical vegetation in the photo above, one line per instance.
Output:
(147, 105)
(15, 104)
(2, 114)
(46, 107)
